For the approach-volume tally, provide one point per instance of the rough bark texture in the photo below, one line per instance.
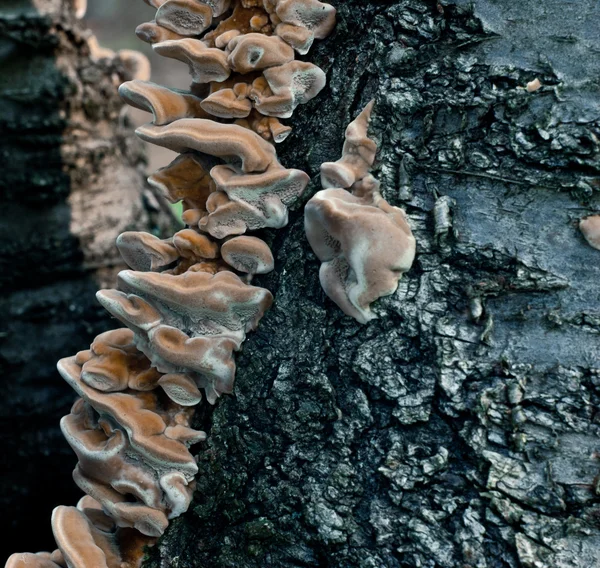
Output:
(461, 428)
(71, 180)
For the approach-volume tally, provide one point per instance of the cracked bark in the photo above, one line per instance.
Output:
(461, 428)
(71, 180)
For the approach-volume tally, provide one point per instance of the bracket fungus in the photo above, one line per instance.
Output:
(364, 243)
(187, 302)
(184, 17)
(590, 228)
(165, 104)
(358, 154)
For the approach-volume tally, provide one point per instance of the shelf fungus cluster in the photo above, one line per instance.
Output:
(187, 303)
(364, 243)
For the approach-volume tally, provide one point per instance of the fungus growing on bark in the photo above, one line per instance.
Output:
(227, 103)
(113, 364)
(228, 141)
(184, 17)
(358, 154)
(286, 87)
(165, 104)
(215, 310)
(312, 15)
(206, 64)
(151, 32)
(364, 243)
(247, 202)
(185, 307)
(252, 52)
(590, 228)
(145, 252)
(184, 179)
(248, 254)
(86, 537)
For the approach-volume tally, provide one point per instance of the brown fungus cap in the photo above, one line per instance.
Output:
(137, 314)
(208, 361)
(207, 64)
(248, 254)
(267, 127)
(223, 40)
(28, 560)
(279, 132)
(300, 38)
(210, 304)
(181, 389)
(113, 364)
(94, 512)
(165, 104)
(358, 154)
(365, 246)
(313, 15)
(364, 243)
(133, 458)
(137, 417)
(185, 178)
(194, 245)
(145, 252)
(228, 141)
(253, 52)
(239, 20)
(289, 85)
(216, 311)
(151, 32)
(590, 228)
(81, 543)
(184, 17)
(251, 201)
(226, 104)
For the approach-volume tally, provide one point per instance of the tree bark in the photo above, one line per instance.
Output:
(72, 179)
(460, 429)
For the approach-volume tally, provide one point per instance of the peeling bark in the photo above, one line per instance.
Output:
(461, 427)
(72, 179)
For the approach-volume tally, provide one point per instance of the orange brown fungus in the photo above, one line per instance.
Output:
(187, 303)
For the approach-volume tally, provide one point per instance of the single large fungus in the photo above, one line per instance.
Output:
(364, 243)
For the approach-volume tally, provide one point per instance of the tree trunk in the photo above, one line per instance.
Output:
(71, 181)
(460, 429)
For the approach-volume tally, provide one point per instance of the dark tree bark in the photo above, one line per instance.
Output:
(71, 180)
(460, 429)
